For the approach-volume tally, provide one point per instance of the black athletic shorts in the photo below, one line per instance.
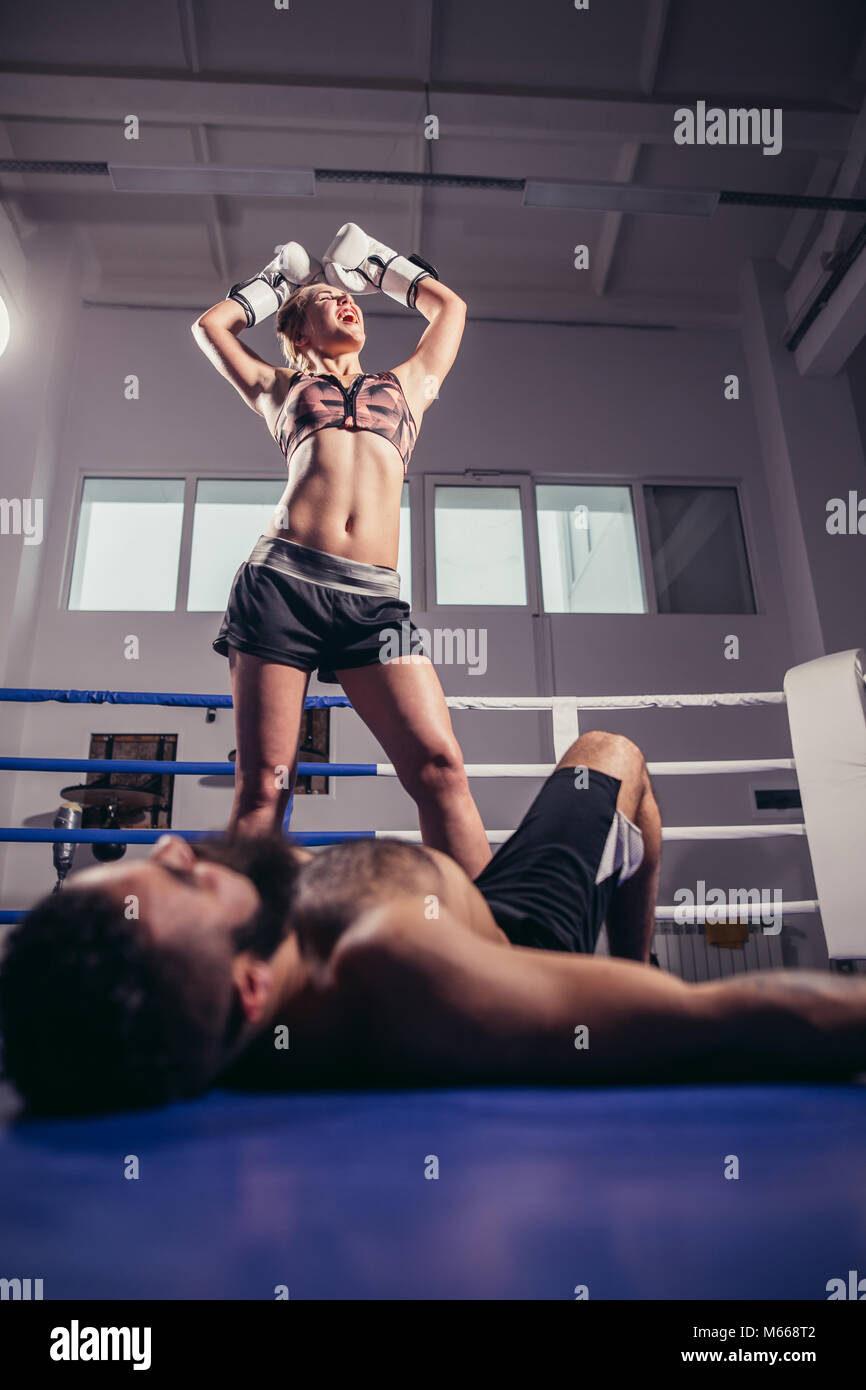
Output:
(550, 884)
(305, 608)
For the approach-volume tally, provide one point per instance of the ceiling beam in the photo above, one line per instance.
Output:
(858, 67)
(13, 261)
(848, 93)
(201, 143)
(651, 44)
(13, 190)
(607, 241)
(605, 248)
(498, 305)
(803, 221)
(838, 329)
(415, 239)
(814, 271)
(262, 105)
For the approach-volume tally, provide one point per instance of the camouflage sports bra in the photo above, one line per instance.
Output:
(374, 401)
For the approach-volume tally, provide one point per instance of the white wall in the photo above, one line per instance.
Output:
(557, 401)
(42, 290)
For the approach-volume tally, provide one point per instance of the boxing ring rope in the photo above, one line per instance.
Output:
(21, 695)
(226, 769)
(563, 708)
(319, 838)
(740, 912)
(65, 835)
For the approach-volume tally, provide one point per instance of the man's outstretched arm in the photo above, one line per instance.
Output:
(442, 1004)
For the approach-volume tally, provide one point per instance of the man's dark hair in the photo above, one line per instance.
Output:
(94, 1017)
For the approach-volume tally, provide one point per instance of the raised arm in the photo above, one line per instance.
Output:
(447, 1005)
(216, 332)
(248, 302)
(358, 262)
(422, 374)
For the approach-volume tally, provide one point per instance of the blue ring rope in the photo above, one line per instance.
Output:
(155, 766)
(20, 695)
(17, 914)
(46, 835)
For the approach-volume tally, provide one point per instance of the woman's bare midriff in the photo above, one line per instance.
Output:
(343, 495)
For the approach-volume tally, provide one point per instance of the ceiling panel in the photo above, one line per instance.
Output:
(151, 246)
(547, 43)
(714, 250)
(312, 149)
(793, 49)
(94, 204)
(252, 229)
(386, 39)
(80, 139)
(556, 157)
(654, 250)
(91, 34)
(344, 87)
(503, 243)
(742, 167)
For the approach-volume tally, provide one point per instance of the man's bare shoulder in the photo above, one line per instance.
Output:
(458, 894)
(387, 934)
(408, 944)
(425, 990)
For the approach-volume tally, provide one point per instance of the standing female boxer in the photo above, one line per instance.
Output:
(320, 589)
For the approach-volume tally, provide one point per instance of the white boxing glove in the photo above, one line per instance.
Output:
(357, 262)
(266, 292)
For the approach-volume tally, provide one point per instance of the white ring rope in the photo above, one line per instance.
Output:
(564, 710)
(685, 769)
(738, 912)
(669, 832)
(732, 832)
(539, 702)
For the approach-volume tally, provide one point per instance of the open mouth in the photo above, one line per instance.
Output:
(348, 316)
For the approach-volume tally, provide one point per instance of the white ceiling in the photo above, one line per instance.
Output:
(520, 89)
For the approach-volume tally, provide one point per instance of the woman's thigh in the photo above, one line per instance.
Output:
(403, 705)
(268, 704)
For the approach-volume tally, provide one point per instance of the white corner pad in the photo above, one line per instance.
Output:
(827, 713)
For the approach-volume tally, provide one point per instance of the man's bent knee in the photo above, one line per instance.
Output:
(606, 752)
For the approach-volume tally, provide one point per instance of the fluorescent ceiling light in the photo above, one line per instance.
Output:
(4, 327)
(246, 181)
(620, 197)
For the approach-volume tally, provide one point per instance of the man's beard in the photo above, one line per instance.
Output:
(270, 863)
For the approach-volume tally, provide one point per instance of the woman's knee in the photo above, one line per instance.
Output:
(434, 772)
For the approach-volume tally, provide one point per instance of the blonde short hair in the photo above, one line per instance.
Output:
(290, 326)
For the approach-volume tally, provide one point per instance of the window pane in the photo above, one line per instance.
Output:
(230, 515)
(698, 550)
(479, 545)
(128, 545)
(404, 554)
(588, 549)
